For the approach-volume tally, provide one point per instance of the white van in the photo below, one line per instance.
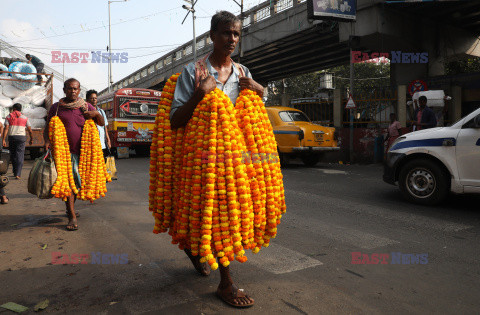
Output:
(428, 164)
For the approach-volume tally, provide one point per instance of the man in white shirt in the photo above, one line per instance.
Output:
(102, 130)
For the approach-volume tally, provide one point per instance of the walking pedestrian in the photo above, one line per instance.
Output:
(102, 130)
(393, 131)
(16, 126)
(424, 116)
(216, 70)
(72, 111)
(38, 64)
(3, 196)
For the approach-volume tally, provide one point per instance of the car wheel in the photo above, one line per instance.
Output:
(310, 160)
(423, 182)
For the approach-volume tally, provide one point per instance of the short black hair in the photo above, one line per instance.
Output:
(393, 114)
(70, 80)
(422, 98)
(90, 92)
(222, 17)
(27, 55)
(17, 106)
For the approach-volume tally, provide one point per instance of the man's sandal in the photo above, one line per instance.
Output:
(4, 200)
(233, 296)
(72, 227)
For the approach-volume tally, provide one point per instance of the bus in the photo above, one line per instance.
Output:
(131, 117)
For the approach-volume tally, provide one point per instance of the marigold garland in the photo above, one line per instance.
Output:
(65, 184)
(92, 169)
(216, 184)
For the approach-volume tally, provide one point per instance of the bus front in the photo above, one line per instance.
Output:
(132, 119)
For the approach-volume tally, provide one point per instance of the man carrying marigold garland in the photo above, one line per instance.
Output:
(72, 111)
(216, 70)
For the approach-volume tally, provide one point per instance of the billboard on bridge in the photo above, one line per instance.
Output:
(344, 10)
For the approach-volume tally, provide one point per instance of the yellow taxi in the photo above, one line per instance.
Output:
(297, 136)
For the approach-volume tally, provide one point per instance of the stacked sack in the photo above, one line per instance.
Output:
(31, 97)
(216, 184)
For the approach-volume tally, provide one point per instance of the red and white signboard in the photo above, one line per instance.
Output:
(350, 103)
(417, 86)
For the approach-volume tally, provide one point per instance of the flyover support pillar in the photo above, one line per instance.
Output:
(402, 105)
(285, 100)
(337, 108)
(456, 103)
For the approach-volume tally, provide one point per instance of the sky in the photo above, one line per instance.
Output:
(145, 29)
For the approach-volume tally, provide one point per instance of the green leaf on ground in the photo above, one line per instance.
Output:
(14, 307)
(44, 246)
(41, 305)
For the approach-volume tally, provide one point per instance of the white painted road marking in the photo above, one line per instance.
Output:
(327, 171)
(278, 259)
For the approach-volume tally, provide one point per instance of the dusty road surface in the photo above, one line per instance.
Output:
(337, 215)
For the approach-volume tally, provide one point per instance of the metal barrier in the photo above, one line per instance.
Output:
(320, 111)
(373, 107)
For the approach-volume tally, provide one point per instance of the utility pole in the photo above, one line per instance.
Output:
(192, 9)
(351, 94)
(240, 52)
(110, 80)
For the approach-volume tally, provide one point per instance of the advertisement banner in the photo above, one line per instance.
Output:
(343, 10)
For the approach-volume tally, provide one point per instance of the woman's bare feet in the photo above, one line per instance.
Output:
(202, 268)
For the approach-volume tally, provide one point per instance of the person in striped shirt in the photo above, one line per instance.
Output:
(16, 126)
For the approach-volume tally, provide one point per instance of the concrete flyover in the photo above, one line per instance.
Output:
(280, 41)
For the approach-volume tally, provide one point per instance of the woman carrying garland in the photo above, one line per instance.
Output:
(72, 111)
(216, 70)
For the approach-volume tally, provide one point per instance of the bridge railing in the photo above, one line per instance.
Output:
(254, 15)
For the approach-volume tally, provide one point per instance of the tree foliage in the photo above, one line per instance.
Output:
(467, 65)
(366, 76)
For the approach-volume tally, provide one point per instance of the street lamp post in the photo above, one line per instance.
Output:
(240, 52)
(192, 10)
(110, 80)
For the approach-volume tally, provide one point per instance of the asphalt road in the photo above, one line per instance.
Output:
(332, 211)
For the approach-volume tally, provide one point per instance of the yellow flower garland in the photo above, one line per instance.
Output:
(216, 184)
(65, 184)
(92, 169)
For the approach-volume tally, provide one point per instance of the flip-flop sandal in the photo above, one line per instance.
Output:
(72, 227)
(4, 201)
(234, 295)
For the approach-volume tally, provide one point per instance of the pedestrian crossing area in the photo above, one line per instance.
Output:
(278, 259)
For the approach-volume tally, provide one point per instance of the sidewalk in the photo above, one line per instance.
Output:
(31, 230)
